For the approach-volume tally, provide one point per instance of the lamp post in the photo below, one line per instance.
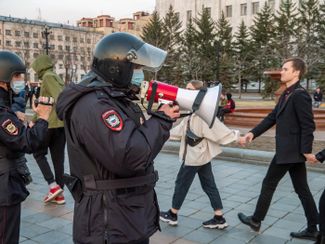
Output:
(45, 34)
(217, 46)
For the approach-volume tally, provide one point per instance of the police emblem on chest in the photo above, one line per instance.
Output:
(112, 120)
(9, 127)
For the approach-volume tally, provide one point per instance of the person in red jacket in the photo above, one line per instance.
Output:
(228, 108)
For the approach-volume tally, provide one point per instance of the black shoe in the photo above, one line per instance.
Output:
(305, 234)
(216, 223)
(248, 220)
(320, 239)
(169, 217)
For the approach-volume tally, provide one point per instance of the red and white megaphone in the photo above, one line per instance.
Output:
(202, 102)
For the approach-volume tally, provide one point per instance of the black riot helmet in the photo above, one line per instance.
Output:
(116, 55)
(10, 65)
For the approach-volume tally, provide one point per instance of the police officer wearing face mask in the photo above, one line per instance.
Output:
(111, 146)
(15, 141)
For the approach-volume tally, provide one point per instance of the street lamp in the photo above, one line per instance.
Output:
(45, 34)
(218, 49)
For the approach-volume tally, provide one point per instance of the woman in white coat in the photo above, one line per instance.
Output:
(196, 155)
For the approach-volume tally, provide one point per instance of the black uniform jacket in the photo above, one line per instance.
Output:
(100, 133)
(295, 125)
(15, 140)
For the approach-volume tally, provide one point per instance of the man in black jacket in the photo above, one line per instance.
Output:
(15, 141)
(111, 146)
(294, 122)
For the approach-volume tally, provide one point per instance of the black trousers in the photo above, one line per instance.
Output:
(185, 178)
(10, 224)
(298, 177)
(322, 214)
(55, 141)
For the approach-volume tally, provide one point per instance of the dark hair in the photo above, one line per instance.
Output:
(229, 95)
(298, 64)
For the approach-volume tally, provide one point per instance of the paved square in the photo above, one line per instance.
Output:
(239, 185)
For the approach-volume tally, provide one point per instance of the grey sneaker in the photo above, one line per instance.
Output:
(216, 223)
(168, 217)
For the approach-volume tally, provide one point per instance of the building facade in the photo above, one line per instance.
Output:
(235, 11)
(107, 24)
(70, 47)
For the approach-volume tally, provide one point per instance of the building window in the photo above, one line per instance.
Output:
(52, 56)
(60, 56)
(35, 45)
(35, 56)
(67, 38)
(17, 33)
(60, 38)
(18, 43)
(209, 11)
(8, 43)
(8, 32)
(52, 37)
(67, 48)
(82, 40)
(88, 41)
(243, 9)
(26, 44)
(228, 11)
(26, 34)
(255, 7)
(60, 47)
(60, 66)
(75, 39)
(52, 47)
(35, 35)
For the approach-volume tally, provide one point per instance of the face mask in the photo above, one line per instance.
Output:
(17, 86)
(138, 77)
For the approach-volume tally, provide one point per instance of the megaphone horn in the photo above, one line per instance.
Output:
(202, 102)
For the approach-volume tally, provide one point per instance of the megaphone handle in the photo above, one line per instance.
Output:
(152, 97)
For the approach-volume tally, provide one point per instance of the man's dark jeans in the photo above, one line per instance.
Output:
(185, 178)
(298, 177)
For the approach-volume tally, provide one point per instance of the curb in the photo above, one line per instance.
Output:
(242, 155)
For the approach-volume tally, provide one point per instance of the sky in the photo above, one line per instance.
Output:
(69, 11)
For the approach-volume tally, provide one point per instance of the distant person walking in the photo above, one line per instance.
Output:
(318, 97)
(51, 86)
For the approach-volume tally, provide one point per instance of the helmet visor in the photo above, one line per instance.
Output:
(152, 58)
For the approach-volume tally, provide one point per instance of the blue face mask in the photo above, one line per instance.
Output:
(138, 77)
(17, 86)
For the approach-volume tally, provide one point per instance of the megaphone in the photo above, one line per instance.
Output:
(204, 102)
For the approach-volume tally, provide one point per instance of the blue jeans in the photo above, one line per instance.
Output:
(185, 178)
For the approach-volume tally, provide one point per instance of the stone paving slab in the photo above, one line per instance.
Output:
(239, 185)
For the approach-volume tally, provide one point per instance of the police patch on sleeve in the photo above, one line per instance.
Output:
(113, 120)
(9, 127)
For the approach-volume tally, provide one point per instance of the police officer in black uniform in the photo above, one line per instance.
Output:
(111, 146)
(15, 141)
